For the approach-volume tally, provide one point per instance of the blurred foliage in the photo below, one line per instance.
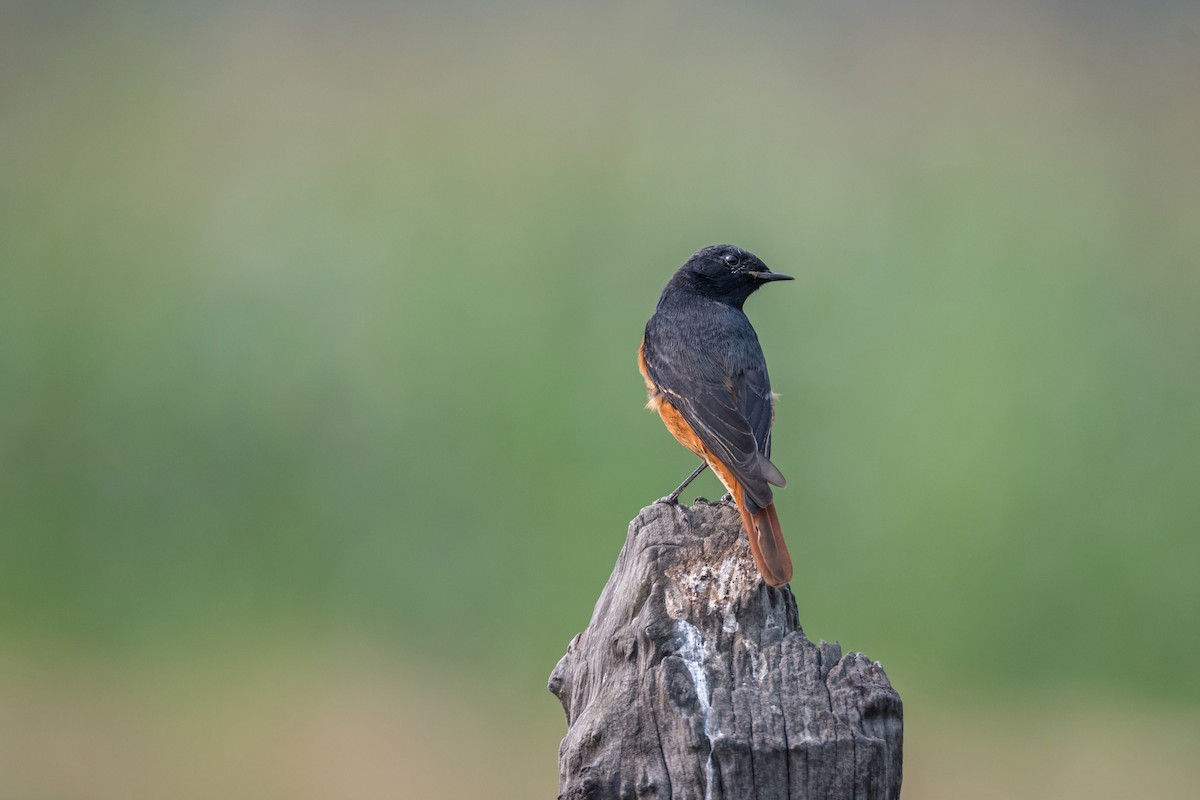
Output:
(318, 323)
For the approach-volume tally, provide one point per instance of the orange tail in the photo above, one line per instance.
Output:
(766, 542)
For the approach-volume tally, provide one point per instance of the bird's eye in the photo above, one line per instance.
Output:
(732, 260)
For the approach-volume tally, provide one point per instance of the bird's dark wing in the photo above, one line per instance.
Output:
(757, 404)
(725, 397)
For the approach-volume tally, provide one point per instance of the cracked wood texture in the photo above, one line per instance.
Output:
(694, 680)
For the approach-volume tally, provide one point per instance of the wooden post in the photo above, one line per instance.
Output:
(694, 680)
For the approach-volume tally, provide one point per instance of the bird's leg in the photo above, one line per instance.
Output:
(673, 497)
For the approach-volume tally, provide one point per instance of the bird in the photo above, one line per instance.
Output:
(707, 378)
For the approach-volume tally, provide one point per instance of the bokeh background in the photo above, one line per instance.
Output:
(320, 426)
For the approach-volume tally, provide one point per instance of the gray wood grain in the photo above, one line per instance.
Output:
(695, 680)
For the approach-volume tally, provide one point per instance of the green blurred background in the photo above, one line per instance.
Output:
(320, 426)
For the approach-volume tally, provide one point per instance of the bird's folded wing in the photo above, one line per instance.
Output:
(720, 414)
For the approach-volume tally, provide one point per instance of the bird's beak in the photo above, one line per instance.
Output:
(767, 275)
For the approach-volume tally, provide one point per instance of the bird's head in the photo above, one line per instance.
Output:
(727, 273)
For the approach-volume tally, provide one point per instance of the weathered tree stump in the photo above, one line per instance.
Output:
(694, 680)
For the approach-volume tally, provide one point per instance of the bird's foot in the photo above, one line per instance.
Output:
(726, 499)
(672, 499)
